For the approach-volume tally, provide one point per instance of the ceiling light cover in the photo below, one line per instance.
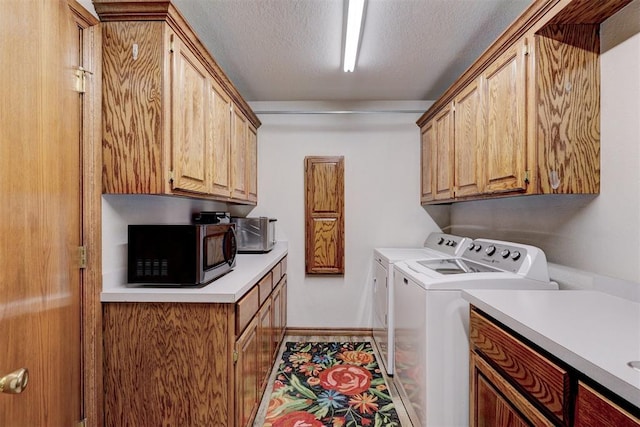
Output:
(352, 40)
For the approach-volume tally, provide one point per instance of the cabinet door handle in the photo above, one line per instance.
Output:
(404, 279)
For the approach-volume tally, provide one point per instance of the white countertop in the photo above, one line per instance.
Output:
(249, 269)
(593, 332)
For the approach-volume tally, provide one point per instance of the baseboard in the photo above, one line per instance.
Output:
(306, 332)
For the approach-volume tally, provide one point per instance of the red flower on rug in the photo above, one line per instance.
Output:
(346, 379)
(330, 384)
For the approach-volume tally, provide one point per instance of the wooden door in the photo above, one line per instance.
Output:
(220, 135)
(427, 168)
(190, 102)
(40, 207)
(443, 142)
(504, 101)
(324, 215)
(469, 141)
(238, 155)
(595, 410)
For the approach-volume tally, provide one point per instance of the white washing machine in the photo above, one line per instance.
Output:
(431, 354)
(437, 245)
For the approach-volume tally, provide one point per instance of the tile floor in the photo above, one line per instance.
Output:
(262, 410)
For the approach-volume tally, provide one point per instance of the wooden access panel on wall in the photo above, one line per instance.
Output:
(324, 215)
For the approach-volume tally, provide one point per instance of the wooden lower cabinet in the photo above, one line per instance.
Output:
(595, 410)
(514, 384)
(191, 364)
(246, 375)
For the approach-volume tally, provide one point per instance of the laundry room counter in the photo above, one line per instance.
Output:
(595, 333)
(227, 289)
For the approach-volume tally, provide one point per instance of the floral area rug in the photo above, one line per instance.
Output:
(332, 384)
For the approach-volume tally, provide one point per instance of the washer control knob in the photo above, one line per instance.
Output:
(478, 247)
(471, 247)
(441, 240)
(515, 255)
(505, 253)
(490, 250)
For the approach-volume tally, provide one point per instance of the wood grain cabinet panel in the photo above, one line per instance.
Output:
(511, 381)
(427, 162)
(324, 215)
(220, 136)
(247, 376)
(534, 96)
(504, 106)
(595, 410)
(469, 141)
(167, 364)
(173, 123)
(189, 108)
(443, 158)
(537, 376)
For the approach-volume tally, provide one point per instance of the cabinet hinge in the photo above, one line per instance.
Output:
(81, 78)
(171, 177)
(82, 256)
(235, 356)
(526, 177)
(172, 44)
(82, 423)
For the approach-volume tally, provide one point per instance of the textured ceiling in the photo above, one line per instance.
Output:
(291, 50)
(286, 50)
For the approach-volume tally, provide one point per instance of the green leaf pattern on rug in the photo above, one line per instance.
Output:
(330, 384)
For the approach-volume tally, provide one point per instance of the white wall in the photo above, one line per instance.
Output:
(382, 208)
(601, 233)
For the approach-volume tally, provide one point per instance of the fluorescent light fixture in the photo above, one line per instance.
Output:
(352, 40)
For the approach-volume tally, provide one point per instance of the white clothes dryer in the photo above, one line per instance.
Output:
(436, 246)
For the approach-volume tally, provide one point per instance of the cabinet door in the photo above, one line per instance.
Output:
(220, 136)
(265, 343)
(252, 164)
(594, 410)
(324, 215)
(190, 89)
(246, 374)
(504, 105)
(427, 169)
(494, 402)
(443, 125)
(276, 310)
(239, 155)
(469, 141)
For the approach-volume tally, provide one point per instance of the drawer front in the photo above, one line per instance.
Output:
(277, 272)
(265, 285)
(595, 410)
(246, 308)
(539, 378)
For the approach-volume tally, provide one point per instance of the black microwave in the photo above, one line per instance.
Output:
(180, 255)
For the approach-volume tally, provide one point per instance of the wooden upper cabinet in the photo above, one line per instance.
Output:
(427, 162)
(534, 96)
(567, 110)
(504, 106)
(189, 117)
(168, 122)
(220, 134)
(239, 187)
(443, 159)
(324, 215)
(252, 164)
(469, 141)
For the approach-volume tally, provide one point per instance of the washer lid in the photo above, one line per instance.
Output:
(456, 266)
